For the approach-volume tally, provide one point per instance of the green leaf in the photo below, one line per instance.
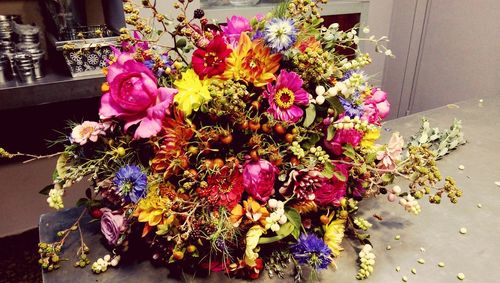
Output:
(46, 189)
(82, 202)
(181, 43)
(387, 178)
(370, 157)
(330, 132)
(311, 141)
(335, 104)
(328, 171)
(341, 177)
(61, 165)
(349, 151)
(310, 115)
(293, 217)
(285, 230)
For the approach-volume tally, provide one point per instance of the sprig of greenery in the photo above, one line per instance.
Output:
(441, 142)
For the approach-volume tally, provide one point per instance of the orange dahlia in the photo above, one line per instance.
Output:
(170, 153)
(252, 62)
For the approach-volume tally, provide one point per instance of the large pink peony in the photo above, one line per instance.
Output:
(376, 107)
(134, 97)
(258, 179)
(112, 225)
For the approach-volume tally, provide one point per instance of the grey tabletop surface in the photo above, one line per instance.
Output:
(433, 235)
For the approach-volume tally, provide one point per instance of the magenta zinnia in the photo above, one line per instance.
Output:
(285, 97)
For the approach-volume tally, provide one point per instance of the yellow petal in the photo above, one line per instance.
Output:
(334, 233)
(252, 240)
(155, 217)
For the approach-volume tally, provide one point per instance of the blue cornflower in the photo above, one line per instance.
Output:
(130, 183)
(347, 75)
(313, 251)
(149, 64)
(351, 108)
(280, 34)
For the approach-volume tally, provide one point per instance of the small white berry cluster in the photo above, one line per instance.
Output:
(55, 197)
(362, 223)
(297, 150)
(410, 204)
(359, 62)
(367, 258)
(277, 216)
(101, 265)
(320, 154)
(355, 123)
(393, 194)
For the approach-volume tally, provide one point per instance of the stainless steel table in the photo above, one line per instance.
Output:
(436, 229)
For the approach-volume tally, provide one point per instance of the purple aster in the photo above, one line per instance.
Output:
(130, 183)
(280, 34)
(313, 251)
(286, 96)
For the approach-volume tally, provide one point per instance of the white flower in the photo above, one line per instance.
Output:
(88, 130)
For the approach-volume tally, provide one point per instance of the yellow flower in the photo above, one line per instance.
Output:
(193, 92)
(334, 233)
(252, 62)
(370, 137)
(154, 211)
(252, 240)
(254, 212)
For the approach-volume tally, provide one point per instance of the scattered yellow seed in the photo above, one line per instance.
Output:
(388, 247)
(421, 261)
(461, 167)
(479, 205)
(397, 237)
(463, 230)
(405, 279)
(441, 264)
(414, 271)
(398, 268)
(461, 276)
(497, 183)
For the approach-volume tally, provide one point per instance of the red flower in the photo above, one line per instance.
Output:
(224, 188)
(211, 61)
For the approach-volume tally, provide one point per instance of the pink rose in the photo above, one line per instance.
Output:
(376, 107)
(235, 26)
(258, 179)
(333, 190)
(112, 225)
(135, 98)
(342, 137)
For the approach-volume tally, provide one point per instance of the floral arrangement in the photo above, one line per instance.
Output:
(251, 155)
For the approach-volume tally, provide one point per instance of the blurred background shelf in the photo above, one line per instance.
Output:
(56, 86)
